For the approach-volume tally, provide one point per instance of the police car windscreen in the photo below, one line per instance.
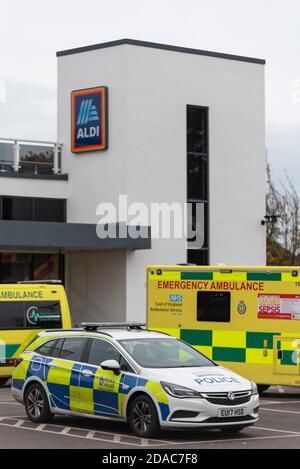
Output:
(164, 353)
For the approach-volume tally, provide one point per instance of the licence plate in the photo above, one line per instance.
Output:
(238, 412)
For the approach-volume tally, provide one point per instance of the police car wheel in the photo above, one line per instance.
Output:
(143, 418)
(37, 405)
(231, 430)
(3, 381)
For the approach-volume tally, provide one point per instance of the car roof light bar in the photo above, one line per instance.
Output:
(112, 325)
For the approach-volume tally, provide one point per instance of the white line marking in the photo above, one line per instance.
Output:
(162, 443)
(144, 442)
(40, 427)
(10, 403)
(19, 423)
(13, 417)
(230, 440)
(117, 439)
(279, 402)
(65, 430)
(9, 400)
(282, 411)
(273, 430)
(269, 402)
(68, 434)
(91, 434)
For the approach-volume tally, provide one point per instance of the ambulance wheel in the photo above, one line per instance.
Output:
(3, 381)
(142, 417)
(37, 405)
(262, 388)
(231, 430)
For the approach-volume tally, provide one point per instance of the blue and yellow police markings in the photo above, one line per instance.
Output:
(85, 388)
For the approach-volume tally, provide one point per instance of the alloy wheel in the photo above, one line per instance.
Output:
(35, 403)
(141, 417)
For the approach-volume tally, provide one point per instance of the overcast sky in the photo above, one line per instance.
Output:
(31, 31)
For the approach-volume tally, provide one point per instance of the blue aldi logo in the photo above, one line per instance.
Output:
(89, 120)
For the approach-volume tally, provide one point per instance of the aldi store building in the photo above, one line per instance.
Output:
(154, 123)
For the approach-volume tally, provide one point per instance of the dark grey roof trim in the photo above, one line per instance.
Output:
(155, 45)
(63, 236)
(51, 177)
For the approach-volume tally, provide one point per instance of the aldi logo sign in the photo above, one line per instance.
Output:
(89, 120)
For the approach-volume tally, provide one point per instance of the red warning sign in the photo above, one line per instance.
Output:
(278, 306)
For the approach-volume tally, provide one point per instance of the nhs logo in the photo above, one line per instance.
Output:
(176, 298)
(89, 120)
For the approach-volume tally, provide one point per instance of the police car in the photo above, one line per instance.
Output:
(125, 372)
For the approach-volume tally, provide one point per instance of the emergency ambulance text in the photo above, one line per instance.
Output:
(205, 285)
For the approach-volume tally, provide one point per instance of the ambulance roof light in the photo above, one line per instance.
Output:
(40, 282)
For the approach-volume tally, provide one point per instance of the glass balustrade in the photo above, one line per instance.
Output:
(30, 157)
(6, 156)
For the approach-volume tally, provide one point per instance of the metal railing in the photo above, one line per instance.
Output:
(30, 156)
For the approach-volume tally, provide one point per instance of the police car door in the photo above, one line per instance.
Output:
(65, 373)
(100, 390)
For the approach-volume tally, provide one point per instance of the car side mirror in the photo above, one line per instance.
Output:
(111, 365)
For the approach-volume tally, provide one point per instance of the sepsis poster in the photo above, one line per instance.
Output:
(278, 307)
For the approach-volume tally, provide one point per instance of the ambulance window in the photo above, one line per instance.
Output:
(11, 315)
(72, 348)
(43, 314)
(213, 306)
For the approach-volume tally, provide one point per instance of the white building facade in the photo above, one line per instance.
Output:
(182, 125)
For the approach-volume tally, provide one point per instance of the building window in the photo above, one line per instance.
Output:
(197, 183)
(32, 209)
(213, 306)
(15, 267)
(49, 210)
(17, 208)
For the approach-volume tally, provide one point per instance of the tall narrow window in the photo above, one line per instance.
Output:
(197, 184)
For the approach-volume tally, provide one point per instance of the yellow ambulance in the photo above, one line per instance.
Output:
(27, 308)
(245, 318)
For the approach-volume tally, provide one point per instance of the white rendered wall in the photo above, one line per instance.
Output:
(34, 187)
(159, 86)
(96, 176)
(148, 93)
(96, 286)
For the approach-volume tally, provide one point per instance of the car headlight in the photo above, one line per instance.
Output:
(175, 390)
(253, 388)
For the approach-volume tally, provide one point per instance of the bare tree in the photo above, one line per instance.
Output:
(283, 234)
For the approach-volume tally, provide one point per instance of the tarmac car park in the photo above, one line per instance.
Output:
(278, 427)
(123, 372)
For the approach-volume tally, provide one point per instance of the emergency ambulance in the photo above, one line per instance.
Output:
(245, 318)
(25, 309)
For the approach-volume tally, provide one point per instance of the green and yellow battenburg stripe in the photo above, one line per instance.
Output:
(238, 276)
(229, 343)
(235, 346)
